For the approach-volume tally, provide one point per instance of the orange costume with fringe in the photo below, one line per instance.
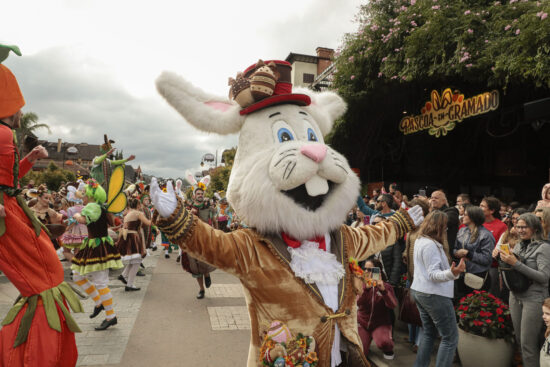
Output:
(39, 329)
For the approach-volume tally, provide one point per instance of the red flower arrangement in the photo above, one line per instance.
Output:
(481, 313)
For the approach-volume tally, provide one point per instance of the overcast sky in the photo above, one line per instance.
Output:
(89, 66)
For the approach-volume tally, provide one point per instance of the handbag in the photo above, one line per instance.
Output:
(474, 281)
(408, 312)
(513, 279)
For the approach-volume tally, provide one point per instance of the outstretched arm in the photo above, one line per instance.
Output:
(233, 252)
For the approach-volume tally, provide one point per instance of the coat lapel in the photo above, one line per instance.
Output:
(337, 248)
(281, 249)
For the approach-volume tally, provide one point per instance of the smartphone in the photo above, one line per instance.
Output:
(375, 274)
(422, 192)
(504, 247)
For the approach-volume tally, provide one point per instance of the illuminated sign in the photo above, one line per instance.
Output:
(440, 115)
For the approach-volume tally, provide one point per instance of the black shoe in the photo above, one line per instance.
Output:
(141, 265)
(97, 311)
(140, 273)
(131, 289)
(207, 282)
(178, 259)
(154, 248)
(121, 278)
(167, 256)
(200, 295)
(106, 323)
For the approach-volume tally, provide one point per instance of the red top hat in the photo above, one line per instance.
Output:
(265, 84)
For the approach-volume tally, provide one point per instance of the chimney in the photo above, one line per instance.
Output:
(324, 60)
(58, 145)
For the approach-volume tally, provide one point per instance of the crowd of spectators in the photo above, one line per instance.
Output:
(471, 246)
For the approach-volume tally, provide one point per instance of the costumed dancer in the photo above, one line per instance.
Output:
(103, 165)
(98, 252)
(164, 241)
(39, 325)
(130, 244)
(202, 209)
(294, 192)
(224, 214)
(146, 208)
(51, 219)
(76, 232)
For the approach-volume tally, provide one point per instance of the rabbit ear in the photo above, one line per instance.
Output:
(178, 184)
(190, 178)
(206, 180)
(205, 111)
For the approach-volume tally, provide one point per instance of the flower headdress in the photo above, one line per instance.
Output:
(201, 185)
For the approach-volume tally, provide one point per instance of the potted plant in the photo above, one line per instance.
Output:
(486, 333)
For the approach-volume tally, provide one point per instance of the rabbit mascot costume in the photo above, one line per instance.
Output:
(294, 193)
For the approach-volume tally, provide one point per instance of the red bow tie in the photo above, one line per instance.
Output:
(294, 243)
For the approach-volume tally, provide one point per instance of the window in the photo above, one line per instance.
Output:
(308, 78)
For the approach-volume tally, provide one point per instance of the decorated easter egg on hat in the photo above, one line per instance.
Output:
(240, 90)
(279, 332)
(264, 80)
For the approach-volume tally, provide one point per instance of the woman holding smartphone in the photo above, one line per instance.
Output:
(374, 305)
(433, 290)
(530, 257)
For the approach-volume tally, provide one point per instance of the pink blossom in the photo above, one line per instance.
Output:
(515, 20)
(413, 23)
(374, 27)
(486, 41)
(543, 16)
(403, 8)
(492, 68)
(384, 59)
(435, 7)
(513, 1)
(496, 3)
(380, 74)
(352, 77)
(507, 27)
(350, 59)
(394, 77)
(469, 65)
(413, 2)
(518, 32)
(404, 77)
(467, 12)
(470, 31)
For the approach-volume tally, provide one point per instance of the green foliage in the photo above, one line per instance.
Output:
(404, 41)
(219, 176)
(483, 314)
(52, 177)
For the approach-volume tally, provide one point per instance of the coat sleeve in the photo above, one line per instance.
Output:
(542, 272)
(24, 166)
(370, 239)
(234, 252)
(395, 272)
(482, 254)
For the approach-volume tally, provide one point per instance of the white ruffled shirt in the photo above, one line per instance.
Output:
(314, 265)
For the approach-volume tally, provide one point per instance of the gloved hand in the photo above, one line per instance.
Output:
(164, 202)
(416, 215)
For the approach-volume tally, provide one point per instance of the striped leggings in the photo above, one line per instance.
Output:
(95, 285)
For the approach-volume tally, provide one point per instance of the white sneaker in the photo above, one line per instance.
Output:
(390, 355)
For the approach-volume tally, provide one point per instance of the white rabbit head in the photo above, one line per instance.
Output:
(284, 177)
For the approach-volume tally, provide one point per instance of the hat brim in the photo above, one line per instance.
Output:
(298, 99)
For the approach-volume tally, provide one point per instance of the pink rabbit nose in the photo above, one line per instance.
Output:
(315, 152)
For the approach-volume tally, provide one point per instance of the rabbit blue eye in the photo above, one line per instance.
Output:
(284, 135)
(311, 135)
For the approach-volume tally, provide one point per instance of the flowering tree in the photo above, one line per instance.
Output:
(404, 47)
(414, 40)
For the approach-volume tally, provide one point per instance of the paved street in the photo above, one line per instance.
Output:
(164, 324)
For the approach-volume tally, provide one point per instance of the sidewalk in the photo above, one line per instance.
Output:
(164, 324)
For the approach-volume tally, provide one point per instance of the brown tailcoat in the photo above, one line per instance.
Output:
(272, 291)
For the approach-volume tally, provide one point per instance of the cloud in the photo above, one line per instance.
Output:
(81, 101)
(89, 66)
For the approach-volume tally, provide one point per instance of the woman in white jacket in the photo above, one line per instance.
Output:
(432, 290)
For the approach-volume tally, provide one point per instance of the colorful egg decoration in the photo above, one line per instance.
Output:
(279, 332)
(263, 80)
(279, 362)
(240, 91)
